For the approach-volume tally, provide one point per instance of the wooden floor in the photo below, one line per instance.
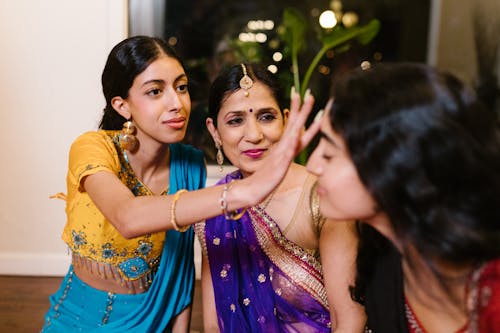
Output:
(24, 301)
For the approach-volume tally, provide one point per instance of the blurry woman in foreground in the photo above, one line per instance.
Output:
(413, 154)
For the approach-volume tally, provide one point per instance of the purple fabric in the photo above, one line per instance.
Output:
(251, 293)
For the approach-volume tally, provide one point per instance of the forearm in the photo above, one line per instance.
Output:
(153, 214)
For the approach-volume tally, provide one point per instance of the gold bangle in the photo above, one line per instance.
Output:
(236, 216)
(223, 205)
(172, 212)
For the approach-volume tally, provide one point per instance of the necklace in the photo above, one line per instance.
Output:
(268, 199)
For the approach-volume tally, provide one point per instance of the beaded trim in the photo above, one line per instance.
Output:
(301, 266)
(112, 272)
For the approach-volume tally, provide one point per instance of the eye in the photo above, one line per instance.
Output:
(267, 116)
(234, 121)
(154, 92)
(182, 88)
(326, 157)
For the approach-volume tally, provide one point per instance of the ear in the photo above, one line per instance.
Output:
(286, 113)
(213, 131)
(121, 106)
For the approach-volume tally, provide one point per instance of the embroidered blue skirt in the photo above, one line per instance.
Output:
(78, 307)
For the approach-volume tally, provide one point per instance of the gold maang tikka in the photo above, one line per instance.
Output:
(246, 82)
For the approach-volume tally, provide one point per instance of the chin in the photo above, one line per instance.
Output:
(331, 213)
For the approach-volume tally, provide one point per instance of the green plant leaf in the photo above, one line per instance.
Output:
(293, 34)
(336, 37)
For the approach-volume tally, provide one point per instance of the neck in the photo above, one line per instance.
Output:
(381, 222)
(147, 163)
(438, 300)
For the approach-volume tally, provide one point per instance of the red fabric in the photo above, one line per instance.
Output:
(487, 303)
(489, 298)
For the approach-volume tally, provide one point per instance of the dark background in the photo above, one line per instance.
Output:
(200, 31)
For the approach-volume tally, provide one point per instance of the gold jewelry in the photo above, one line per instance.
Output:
(268, 199)
(234, 215)
(219, 156)
(246, 82)
(172, 212)
(128, 141)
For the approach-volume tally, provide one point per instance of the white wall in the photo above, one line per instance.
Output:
(51, 58)
(452, 46)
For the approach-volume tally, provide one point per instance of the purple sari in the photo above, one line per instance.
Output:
(262, 281)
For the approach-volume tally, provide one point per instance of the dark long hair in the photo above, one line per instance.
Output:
(228, 82)
(126, 60)
(429, 153)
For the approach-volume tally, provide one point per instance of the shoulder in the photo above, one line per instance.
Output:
(307, 182)
(95, 139)
(94, 145)
(184, 151)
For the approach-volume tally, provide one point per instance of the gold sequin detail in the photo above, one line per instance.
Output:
(299, 265)
(223, 273)
(232, 307)
(246, 301)
(216, 241)
(261, 278)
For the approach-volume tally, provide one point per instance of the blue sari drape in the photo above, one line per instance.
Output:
(77, 307)
(172, 288)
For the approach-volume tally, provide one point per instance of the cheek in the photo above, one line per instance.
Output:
(346, 198)
(274, 133)
(187, 103)
(230, 141)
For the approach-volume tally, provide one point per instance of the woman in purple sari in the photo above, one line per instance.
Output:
(262, 271)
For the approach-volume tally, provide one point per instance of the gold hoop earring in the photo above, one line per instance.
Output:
(128, 141)
(219, 156)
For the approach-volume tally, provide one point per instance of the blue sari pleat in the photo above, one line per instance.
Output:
(172, 288)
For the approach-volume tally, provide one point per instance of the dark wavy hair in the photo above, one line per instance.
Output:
(429, 153)
(228, 81)
(126, 60)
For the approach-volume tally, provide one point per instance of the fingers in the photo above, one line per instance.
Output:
(299, 112)
(309, 134)
(313, 129)
(294, 101)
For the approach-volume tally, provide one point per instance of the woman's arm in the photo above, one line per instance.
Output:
(338, 250)
(210, 322)
(182, 321)
(135, 216)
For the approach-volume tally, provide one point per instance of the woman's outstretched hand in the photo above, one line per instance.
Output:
(294, 139)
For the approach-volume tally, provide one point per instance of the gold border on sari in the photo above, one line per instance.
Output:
(299, 265)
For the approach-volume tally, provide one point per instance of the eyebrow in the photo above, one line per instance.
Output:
(266, 109)
(322, 135)
(159, 81)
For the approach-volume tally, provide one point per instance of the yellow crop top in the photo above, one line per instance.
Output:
(87, 232)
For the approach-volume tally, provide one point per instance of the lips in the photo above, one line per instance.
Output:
(320, 190)
(176, 123)
(254, 153)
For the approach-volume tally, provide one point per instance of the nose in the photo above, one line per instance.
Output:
(253, 131)
(314, 163)
(173, 101)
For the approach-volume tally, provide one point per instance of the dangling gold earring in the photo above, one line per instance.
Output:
(128, 141)
(219, 156)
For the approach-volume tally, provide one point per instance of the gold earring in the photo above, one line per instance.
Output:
(128, 141)
(219, 156)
